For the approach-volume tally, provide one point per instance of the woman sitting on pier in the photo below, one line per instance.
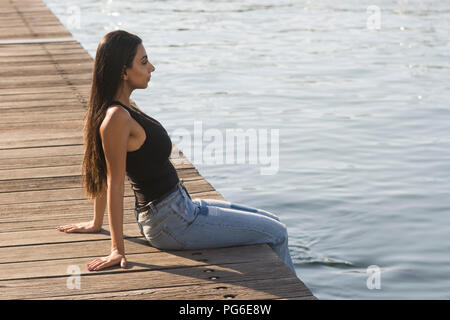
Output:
(121, 140)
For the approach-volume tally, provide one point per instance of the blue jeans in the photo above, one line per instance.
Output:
(181, 223)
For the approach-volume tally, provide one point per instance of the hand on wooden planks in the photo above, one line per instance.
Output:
(113, 259)
(86, 227)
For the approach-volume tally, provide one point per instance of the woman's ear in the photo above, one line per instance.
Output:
(124, 73)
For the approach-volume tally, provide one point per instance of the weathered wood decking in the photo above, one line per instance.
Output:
(44, 87)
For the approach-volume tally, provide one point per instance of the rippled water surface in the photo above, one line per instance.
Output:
(363, 117)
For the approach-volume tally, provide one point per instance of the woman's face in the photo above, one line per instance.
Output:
(139, 75)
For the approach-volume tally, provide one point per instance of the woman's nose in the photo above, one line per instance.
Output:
(152, 67)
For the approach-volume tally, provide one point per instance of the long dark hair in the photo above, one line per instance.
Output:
(115, 52)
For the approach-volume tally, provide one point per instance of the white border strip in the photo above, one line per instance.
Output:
(39, 40)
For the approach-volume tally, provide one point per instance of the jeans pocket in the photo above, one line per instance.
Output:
(165, 240)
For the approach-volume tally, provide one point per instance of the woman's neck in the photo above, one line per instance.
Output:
(123, 96)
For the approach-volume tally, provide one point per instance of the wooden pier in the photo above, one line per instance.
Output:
(45, 76)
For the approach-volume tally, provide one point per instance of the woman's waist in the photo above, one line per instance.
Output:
(144, 199)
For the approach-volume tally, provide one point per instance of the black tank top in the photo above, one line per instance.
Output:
(149, 170)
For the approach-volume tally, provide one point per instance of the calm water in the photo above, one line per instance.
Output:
(363, 117)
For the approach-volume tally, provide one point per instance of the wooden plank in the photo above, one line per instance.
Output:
(36, 151)
(151, 275)
(16, 117)
(23, 174)
(72, 159)
(59, 106)
(44, 81)
(260, 289)
(42, 128)
(62, 179)
(43, 99)
(52, 220)
(70, 211)
(80, 88)
(62, 140)
(13, 19)
(58, 251)
(35, 237)
(59, 59)
(43, 55)
(4, 23)
(41, 135)
(28, 6)
(44, 140)
(65, 176)
(51, 209)
(65, 206)
(55, 111)
(66, 181)
(30, 50)
(71, 43)
(54, 264)
(47, 67)
(13, 198)
(52, 31)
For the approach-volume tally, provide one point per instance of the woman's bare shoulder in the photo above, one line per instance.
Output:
(116, 117)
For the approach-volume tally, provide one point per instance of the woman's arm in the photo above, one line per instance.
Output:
(94, 225)
(114, 131)
(99, 209)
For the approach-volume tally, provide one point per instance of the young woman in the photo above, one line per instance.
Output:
(121, 141)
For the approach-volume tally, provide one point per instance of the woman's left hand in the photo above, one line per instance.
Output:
(113, 259)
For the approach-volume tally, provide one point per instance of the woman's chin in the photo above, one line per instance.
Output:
(143, 85)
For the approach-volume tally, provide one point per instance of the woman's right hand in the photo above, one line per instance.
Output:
(87, 227)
